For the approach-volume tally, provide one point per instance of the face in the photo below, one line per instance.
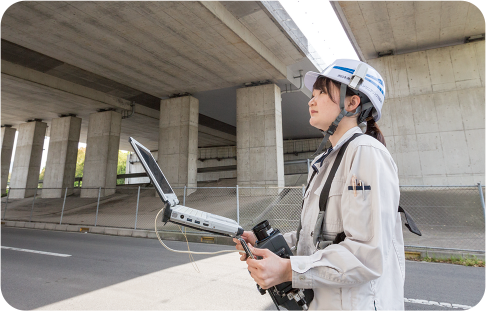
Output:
(323, 111)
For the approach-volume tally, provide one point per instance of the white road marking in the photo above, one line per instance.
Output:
(37, 251)
(439, 304)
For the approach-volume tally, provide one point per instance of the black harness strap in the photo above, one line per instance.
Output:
(409, 223)
(330, 177)
(327, 187)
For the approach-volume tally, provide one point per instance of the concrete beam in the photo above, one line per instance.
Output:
(61, 158)
(101, 159)
(27, 161)
(63, 85)
(219, 11)
(7, 141)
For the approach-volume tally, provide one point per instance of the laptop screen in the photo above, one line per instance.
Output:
(157, 173)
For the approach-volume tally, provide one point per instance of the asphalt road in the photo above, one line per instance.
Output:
(122, 273)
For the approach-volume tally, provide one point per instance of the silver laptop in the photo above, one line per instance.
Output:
(176, 213)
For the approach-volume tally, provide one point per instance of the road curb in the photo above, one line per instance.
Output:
(443, 254)
(203, 237)
(195, 238)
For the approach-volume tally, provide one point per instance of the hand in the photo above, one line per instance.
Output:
(249, 238)
(269, 271)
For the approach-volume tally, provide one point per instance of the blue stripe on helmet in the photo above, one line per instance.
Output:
(348, 70)
(376, 79)
(374, 83)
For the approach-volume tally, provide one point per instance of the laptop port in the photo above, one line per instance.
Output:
(189, 220)
(197, 222)
(205, 224)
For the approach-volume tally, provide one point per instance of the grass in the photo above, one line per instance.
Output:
(474, 261)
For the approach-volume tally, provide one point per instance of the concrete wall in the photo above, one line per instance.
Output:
(259, 136)
(434, 114)
(101, 159)
(213, 157)
(7, 142)
(178, 140)
(225, 156)
(61, 157)
(27, 160)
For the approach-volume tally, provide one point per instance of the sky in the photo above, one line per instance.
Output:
(308, 15)
(320, 25)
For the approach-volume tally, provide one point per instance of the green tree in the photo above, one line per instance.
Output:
(42, 173)
(122, 166)
(80, 163)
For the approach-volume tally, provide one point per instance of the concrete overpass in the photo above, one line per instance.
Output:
(431, 55)
(205, 62)
(171, 74)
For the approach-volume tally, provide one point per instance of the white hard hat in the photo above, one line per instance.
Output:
(357, 75)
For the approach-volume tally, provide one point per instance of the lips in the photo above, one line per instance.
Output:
(313, 111)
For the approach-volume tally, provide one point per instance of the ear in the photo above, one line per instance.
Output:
(353, 103)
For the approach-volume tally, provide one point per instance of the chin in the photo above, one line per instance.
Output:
(314, 124)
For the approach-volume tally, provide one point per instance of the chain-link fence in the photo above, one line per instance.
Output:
(450, 217)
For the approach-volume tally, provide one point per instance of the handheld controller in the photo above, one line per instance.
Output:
(282, 294)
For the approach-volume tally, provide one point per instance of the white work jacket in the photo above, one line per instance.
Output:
(366, 271)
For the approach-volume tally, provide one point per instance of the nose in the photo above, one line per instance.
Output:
(312, 102)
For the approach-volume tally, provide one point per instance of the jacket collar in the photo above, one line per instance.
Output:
(346, 136)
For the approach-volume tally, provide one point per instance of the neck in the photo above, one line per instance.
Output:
(345, 124)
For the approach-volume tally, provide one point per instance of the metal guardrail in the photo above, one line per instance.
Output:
(450, 217)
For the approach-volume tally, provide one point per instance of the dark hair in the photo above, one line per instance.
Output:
(373, 130)
(324, 84)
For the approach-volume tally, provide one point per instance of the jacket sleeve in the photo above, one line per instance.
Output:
(291, 238)
(368, 220)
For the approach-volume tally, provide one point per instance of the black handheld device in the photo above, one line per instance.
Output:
(283, 294)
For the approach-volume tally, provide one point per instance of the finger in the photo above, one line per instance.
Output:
(260, 252)
(243, 257)
(252, 263)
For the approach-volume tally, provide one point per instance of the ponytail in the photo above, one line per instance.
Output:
(373, 130)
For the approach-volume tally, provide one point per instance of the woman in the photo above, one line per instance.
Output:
(365, 269)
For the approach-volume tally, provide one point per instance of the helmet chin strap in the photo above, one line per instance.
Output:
(332, 128)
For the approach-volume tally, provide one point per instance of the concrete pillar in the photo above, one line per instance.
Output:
(61, 157)
(101, 154)
(27, 160)
(8, 137)
(178, 140)
(259, 138)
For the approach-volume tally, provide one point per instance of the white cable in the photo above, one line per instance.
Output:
(189, 252)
